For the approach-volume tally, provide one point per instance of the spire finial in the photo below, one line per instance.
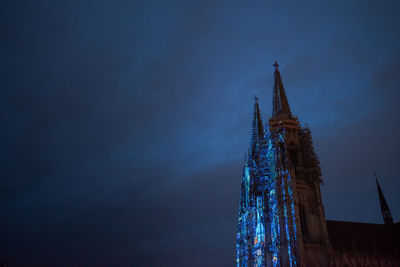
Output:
(256, 98)
(386, 214)
(374, 172)
(276, 65)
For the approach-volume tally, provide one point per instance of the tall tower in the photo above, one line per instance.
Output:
(281, 216)
(312, 236)
(253, 211)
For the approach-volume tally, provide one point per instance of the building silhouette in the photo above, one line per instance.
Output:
(281, 218)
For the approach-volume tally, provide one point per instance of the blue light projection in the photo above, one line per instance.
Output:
(266, 225)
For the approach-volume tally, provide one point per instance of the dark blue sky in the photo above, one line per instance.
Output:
(125, 123)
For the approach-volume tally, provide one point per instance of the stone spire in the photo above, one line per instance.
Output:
(387, 216)
(280, 105)
(257, 130)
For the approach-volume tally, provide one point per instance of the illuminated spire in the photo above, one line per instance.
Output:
(257, 130)
(280, 103)
(387, 216)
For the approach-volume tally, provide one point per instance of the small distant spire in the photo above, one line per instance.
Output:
(280, 103)
(387, 216)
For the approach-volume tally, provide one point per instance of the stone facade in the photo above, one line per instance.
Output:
(313, 240)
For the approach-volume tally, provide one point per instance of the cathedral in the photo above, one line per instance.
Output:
(281, 219)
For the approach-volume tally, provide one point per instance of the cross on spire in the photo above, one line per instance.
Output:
(256, 98)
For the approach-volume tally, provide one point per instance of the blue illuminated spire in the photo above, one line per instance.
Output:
(257, 129)
(280, 105)
(266, 233)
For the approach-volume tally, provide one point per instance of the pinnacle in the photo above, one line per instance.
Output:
(279, 102)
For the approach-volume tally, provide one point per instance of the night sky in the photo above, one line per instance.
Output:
(124, 123)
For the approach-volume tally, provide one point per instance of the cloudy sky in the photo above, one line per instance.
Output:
(124, 123)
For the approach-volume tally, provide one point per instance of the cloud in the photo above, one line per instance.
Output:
(125, 123)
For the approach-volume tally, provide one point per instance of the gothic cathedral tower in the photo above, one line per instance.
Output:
(281, 216)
